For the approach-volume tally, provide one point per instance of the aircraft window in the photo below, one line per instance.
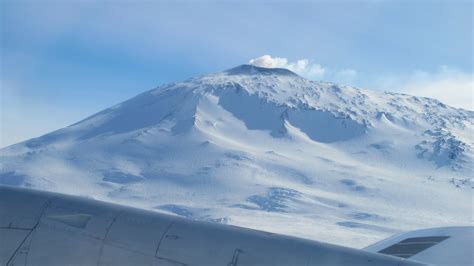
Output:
(412, 246)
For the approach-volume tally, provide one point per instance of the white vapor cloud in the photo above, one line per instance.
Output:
(302, 67)
(269, 62)
(306, 68)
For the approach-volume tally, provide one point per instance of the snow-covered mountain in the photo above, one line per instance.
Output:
(268, 149)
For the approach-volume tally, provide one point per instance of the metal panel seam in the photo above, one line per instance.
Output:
(48, 202)
(107, 233)
(163, 236)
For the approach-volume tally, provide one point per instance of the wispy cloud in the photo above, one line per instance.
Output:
(449, 85)
(305, 67)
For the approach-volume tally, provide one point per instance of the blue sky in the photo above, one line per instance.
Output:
(64, 60)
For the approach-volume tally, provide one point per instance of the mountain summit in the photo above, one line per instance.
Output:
(262, 71)
(268, 149)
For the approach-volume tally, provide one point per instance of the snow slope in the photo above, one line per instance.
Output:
(267, 149)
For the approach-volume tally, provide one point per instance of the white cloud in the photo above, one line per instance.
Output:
(270, 62)
(448, 85)
(302, 67)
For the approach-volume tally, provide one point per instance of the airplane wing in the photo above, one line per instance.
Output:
(42, 228)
